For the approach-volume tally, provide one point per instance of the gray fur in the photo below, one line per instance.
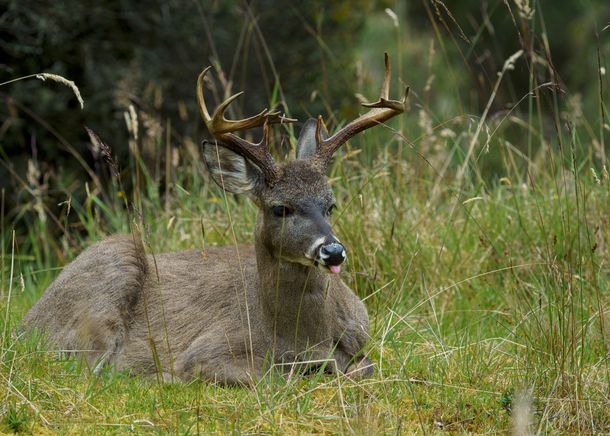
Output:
(225, 315)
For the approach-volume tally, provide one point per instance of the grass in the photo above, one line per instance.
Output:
(483, 262)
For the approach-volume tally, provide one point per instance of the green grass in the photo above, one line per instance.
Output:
(482, 255)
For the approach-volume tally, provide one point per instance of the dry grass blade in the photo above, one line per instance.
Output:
(106, 151)
(69, 83)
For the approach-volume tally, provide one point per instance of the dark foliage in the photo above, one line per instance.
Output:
(148, 54)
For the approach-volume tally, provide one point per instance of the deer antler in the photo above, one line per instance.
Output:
(381, 111)
(222, 129)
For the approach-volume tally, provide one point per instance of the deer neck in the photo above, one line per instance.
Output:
(294, 304)
(288, 288)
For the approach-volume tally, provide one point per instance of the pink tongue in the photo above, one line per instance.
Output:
(336, 269)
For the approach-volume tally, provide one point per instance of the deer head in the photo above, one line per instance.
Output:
(294, 197)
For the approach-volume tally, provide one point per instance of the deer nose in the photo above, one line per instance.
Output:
(333, 254)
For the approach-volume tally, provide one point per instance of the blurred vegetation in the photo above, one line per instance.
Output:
(139, 60)
(148, 55)
(561, 36)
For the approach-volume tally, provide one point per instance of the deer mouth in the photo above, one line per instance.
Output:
(334, 269)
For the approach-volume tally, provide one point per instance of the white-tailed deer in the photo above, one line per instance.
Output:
(229, 314)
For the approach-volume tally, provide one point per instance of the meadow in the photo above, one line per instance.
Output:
(480, 243)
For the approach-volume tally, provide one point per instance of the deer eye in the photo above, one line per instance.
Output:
(329, 211)
(281, 211)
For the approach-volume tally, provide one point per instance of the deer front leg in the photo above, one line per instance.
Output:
(335, 361)
(355, 367)
(352, 333)
(361, 367)
(211, 359)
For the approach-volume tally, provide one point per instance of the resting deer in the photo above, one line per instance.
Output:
(227, 314)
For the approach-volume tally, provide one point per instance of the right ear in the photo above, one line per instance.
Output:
(231, 171)
(306, 145)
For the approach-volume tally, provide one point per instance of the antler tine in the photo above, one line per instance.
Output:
(387, 77)
(221, 128)
(203, 110)
(380, 111)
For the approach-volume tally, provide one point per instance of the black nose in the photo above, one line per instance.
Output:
(333, 254)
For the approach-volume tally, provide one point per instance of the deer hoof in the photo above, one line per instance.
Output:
(363, 368)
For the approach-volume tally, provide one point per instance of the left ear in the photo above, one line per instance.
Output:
(306, 146)
(231, 171)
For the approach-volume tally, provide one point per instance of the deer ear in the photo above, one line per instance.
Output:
(231, 171)
(306, 146)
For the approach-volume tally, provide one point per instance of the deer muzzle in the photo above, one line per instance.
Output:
(332, 255)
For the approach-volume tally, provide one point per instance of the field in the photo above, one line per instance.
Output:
(480, 244)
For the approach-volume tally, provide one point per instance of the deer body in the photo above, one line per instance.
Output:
(230, 313)
(213, 325)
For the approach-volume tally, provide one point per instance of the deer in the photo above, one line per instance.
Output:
(229, 314)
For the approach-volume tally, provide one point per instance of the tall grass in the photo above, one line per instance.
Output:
(480, 244)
